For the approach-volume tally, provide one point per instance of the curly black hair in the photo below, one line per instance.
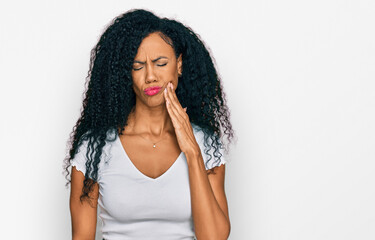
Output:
(110, 98)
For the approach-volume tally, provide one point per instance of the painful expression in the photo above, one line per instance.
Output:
(154, 66)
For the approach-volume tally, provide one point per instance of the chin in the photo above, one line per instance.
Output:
(154, 104)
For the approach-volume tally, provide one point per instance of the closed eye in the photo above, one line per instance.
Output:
(142, 63)
(136, 69)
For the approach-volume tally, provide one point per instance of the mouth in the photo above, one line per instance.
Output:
(152, 90)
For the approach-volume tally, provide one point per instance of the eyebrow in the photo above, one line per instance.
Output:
(136, 61)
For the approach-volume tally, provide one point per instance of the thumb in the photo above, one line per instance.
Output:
(185, 109)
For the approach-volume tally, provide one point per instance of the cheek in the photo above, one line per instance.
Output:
(170, 71)
(134, 76)
(136, 86)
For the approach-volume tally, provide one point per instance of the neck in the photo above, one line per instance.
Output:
(154, 121)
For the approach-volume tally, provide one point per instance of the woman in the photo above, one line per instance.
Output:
(154, 167)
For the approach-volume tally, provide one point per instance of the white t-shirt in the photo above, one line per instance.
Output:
(135, 206)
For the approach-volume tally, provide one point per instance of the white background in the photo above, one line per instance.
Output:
(299, 78)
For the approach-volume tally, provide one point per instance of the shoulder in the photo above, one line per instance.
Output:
(85, 152)
(212, 152)
(198, 132)
(200, 135)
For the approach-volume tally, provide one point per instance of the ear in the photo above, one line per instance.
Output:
(179, 64)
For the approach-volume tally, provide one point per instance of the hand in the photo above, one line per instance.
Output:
(181, 123)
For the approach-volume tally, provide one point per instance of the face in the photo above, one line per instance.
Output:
(155, 65)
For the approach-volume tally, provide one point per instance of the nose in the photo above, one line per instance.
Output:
(150, 74)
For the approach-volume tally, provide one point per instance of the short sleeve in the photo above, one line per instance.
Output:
(214, 161)
(79, 160)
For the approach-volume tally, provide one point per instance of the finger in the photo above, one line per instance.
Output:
(170, 106)
(174, 117)
(173, 111)
(176, 111)
(176, 106)
(173, 95)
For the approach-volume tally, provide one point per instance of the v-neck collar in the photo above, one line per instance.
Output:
(137, 170)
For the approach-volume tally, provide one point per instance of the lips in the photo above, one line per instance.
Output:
(152, 90)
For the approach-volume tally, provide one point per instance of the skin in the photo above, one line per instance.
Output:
(160, 118)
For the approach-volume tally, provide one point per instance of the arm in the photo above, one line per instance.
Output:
(83, 213)
(208, 200)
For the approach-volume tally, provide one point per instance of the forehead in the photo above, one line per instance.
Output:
(154, 46)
